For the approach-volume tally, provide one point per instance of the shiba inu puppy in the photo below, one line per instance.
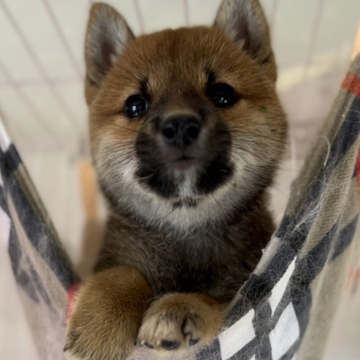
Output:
(186, 135)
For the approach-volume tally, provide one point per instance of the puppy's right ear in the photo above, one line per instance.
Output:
(107, 35)
(244, 23)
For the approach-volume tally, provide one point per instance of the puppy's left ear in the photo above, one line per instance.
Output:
(244, 22)
(107, 36)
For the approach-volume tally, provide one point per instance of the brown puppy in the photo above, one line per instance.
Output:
(186, 134)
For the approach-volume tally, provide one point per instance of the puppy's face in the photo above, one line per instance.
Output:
(185, 124)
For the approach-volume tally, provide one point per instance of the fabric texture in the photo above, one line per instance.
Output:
(286, 308)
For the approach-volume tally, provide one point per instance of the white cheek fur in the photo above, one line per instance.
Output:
(156, 211)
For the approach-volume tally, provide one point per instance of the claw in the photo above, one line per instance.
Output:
(170, 345)
(193, 342)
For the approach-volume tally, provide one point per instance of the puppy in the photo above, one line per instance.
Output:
(186, 135)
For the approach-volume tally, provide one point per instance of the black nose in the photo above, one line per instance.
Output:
(181, 130)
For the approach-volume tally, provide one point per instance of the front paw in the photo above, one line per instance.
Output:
(93, 335)
(178, 322)
(107, 316)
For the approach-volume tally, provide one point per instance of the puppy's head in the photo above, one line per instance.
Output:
(185, 124)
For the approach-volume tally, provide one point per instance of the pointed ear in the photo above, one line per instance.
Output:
(107, 35)
(244, 23)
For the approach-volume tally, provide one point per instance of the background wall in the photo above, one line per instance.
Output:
(42, 68)
(42, 102)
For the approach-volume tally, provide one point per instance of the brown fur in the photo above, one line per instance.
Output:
(182, 320)
(109, 307)
(194, 251)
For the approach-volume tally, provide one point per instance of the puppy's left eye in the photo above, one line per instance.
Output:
(222, 95)
(136, 106)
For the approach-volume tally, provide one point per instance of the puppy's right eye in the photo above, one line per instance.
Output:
(135, 106)
(222, 95)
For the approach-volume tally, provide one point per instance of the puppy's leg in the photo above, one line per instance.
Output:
(180, 321)
(107, 316)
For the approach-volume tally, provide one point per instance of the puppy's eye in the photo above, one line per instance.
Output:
(135, 106)
(222, 95)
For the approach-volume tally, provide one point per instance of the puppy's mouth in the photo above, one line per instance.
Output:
(183, 163)
(184, 175)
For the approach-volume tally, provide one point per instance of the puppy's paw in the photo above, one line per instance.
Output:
(107, 316)
(178, 322)
(90, 337)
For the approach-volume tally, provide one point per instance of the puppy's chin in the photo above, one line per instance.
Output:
(202, 199)
(185, 180)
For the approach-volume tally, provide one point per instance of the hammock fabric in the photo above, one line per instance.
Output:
(285, 309)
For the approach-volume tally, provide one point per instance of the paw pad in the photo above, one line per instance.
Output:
(170, 345)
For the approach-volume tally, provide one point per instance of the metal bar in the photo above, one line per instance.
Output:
(5, 123)
(313, 37)
(186, 12)
(28, 102)
(274, 10)
(62, 38)
(73, 121)
(307, 63)
(139, 16)
(36, 82)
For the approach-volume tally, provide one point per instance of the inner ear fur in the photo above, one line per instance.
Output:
(107, 36)
(244, 22)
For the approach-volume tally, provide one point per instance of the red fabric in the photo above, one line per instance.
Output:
(70, 299)
(352, 84)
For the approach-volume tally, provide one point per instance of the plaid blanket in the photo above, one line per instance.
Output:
(286, 308)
